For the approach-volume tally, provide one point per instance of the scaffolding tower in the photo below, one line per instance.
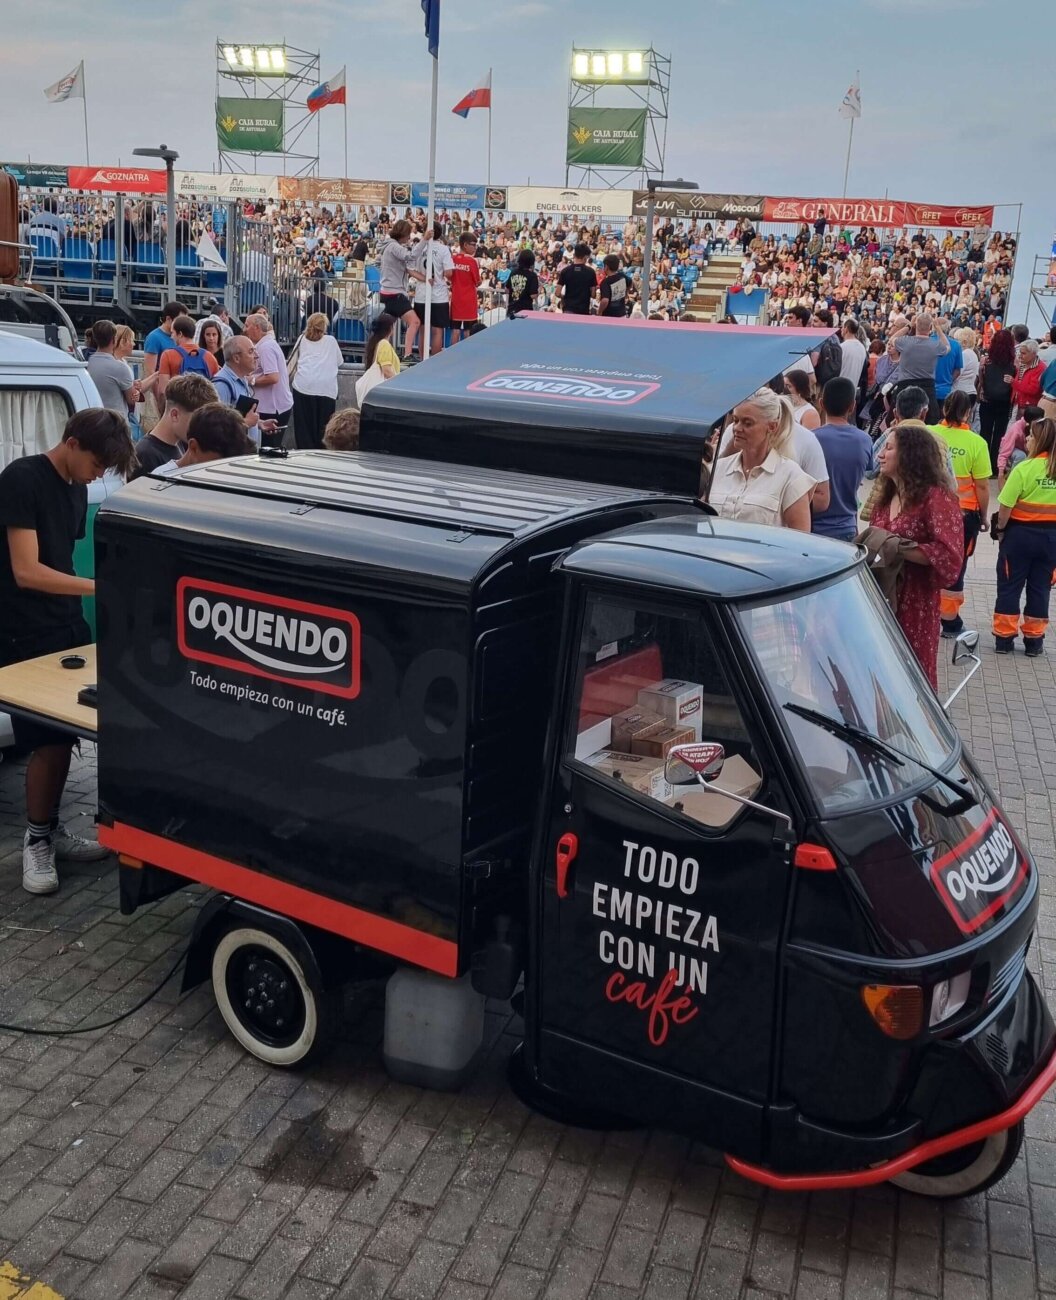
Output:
(299, 78)
(651, 93)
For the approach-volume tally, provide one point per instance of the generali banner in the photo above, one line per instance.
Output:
(877, 212)
(117, 180)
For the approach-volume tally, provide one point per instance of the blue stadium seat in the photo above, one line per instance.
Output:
(150, 255)
(78, 262)
(45, 252)
(216, 279)
(349, 330)
(373, 279)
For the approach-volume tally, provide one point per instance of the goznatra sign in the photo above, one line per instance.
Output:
(249, 125)
(605, 137)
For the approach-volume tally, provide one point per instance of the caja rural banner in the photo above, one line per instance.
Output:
(227, 186)
(117, 180)
(878, 212)
(605, 137)
(249, 125)
(552, 201)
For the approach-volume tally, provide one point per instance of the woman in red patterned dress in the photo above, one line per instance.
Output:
(916, 501)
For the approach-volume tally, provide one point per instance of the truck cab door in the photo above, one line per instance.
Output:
(659, 909)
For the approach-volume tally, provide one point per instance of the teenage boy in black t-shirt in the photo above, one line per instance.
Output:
(578, 283)
(43, 509)
(612, 292)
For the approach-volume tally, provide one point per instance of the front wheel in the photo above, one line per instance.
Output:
(267, 1000)
(966, 1171)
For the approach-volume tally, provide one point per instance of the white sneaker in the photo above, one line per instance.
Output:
(38, 867)
(75, 848)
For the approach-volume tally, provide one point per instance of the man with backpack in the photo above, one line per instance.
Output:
(829, 362)
(185, 357)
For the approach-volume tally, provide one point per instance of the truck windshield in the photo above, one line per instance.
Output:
(838, 652)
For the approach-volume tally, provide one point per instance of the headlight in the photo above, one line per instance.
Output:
(949, 997)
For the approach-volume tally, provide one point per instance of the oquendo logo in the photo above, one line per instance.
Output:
(981, 875)
(314, 646)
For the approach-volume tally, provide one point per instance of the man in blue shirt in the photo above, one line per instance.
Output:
(847, 450)
(160, 338)
(948, 367)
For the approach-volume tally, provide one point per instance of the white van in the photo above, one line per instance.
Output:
(40, 388)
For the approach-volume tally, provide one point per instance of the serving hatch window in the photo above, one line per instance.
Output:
(837, 652)
(650, 679)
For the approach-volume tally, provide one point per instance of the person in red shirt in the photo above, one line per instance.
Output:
(184, 357)
(1026, 385)
(465, 282)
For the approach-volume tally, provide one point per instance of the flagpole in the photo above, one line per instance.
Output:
(850, 137)
(491, 93)
(84, 105)
(426, 338)
(344, 74)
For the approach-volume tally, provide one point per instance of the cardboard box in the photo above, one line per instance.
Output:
(661, 739)
(627, 725)
(646, 775)
(595, 733)
(710, 808)
(678, 702)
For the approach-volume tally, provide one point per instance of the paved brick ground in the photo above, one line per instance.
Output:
(158, 1160)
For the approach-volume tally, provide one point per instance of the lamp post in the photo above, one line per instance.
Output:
(652, 185)
(169, 156)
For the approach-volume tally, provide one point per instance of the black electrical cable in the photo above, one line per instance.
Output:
(103, 1024)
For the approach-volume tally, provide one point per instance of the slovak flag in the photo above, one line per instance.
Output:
(330, 92)
(852, 102)
(478, 97)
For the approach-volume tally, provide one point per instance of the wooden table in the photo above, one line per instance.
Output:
(43, 691)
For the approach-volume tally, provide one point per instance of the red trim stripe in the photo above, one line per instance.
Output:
(403, 941)
(961, 1137)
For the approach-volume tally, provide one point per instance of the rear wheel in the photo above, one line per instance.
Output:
(967, 1170)
(272, 1006)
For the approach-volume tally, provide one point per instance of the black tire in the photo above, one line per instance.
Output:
(270, 1003)
(966, 1171)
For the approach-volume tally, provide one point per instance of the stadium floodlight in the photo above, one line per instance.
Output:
(615, 67)
(255, 60)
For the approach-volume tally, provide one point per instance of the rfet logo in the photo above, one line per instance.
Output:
(981, 875)
(252, 632)
(563, 388)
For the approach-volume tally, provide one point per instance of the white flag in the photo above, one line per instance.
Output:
(852, 102)
(209, 255)
(69, 87)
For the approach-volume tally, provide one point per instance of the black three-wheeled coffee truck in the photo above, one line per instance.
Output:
(426, 704)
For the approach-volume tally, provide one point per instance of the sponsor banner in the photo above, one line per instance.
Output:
(981, 875)
(553, 201)
(581, 387)
(313, 189)
(448, 196)
(249, 125)
(117, 180)
(251, 632)
(706, 207)
(877, 212)
(605, 137)
(38, 174)
(227, 185)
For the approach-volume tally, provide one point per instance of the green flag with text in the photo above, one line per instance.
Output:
(606, 137)
(249, 125)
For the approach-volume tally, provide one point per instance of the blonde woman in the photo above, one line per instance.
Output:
(965, 381)
(759, 483)
(315, 382)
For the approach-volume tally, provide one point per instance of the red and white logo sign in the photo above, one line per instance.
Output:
(981, 875)
(313, 646)
(117, 180)
(598, 389)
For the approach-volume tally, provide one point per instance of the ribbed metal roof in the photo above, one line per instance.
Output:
(426, 492)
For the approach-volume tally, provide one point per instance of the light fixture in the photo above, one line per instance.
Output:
(263, 60)
(245, 57)
(635, 64)
(581, 64)
(597, 65)
(278, 60)
(615, 65)
(231, 55)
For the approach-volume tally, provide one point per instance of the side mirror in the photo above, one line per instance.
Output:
(965, 645)
(686, 762)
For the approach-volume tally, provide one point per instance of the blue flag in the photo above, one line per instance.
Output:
(431, 9)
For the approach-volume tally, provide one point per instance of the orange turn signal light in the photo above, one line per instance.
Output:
(898, 1009)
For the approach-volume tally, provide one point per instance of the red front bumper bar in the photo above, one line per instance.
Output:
(916, 1155)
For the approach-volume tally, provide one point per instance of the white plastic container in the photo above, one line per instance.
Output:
(434, 1028)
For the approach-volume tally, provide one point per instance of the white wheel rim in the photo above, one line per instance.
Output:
(229, 944)
(965, 1181)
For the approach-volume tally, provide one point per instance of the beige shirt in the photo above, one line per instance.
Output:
(763, 495)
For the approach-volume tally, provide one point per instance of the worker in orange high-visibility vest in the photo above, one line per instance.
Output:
(971, 467)
(1026, 526)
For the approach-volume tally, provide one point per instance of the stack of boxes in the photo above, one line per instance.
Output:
(668, 713)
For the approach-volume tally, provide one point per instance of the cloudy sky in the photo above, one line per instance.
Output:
(956, 106)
